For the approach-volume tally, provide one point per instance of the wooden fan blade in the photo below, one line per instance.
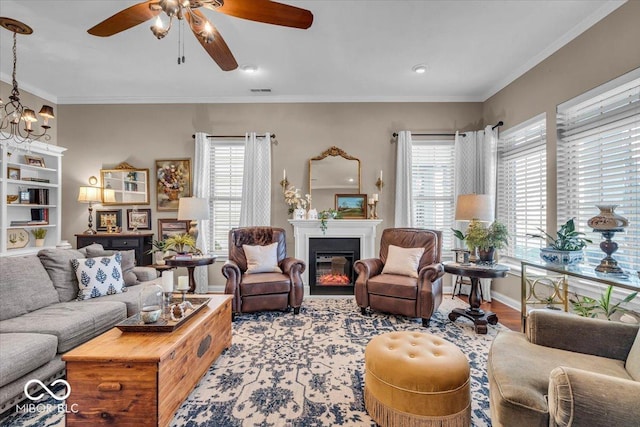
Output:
(217, 49)
(125, 19)
(268, 12)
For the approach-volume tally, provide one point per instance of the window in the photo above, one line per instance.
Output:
(433, 188)
(599, 162)
(226, 169)
(522, 182)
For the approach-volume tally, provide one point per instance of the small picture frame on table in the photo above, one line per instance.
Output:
(352, 206)
(13, 173)
(108, 219)
(34, 160)
(140, 218)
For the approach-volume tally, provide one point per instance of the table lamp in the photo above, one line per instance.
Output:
(474, 208)
(193, 209)
(90, 195)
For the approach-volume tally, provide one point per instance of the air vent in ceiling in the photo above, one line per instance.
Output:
(260, 90)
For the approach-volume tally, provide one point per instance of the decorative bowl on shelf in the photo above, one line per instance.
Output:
(557, 257)
(12, 198)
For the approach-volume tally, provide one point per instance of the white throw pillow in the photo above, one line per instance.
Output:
(99, 276)
(262, 259)
(403, 261)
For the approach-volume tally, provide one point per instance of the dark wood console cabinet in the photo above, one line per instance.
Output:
(140, 242)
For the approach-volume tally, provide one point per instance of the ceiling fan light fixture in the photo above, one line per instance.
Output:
(158, 29)
(170, 7)
(419, 69)
(250, 69)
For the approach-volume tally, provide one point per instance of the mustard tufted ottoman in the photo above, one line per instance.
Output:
(416, 379)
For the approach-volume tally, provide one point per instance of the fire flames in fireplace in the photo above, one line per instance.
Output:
(334, 279)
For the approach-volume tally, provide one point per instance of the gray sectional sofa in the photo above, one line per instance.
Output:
(40, 318)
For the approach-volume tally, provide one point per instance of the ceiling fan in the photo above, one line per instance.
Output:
(266, 11)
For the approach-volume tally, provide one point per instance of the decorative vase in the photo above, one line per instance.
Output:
(554, 256)
(39, 243)
(486, 255)
(312, 214)
(150, 303)
(159, 258)
(607, 219)
(299, 213)
(173, 194)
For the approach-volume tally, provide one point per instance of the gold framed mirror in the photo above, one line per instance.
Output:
(125, 185)
(334, 171)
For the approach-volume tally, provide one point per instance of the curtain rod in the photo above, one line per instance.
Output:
(273, 135)
(395, 134)
(500, 123)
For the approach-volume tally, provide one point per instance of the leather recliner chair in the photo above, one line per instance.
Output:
(392, 293)
(262, 291)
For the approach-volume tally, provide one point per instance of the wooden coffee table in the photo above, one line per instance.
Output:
(141, 378)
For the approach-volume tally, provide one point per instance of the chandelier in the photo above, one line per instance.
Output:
(13, 112)
(181, 9)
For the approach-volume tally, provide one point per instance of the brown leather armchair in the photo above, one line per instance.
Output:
(392, 293)
(262, 291)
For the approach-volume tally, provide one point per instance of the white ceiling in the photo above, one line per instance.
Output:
(355, 50)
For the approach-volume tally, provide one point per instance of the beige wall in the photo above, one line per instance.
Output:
(607, 50)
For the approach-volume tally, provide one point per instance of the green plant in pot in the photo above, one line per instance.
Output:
(181, 243)
(589, 307)
(485, 239)
(566, 247)
(39, 234)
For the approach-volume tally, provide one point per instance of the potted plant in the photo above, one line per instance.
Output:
(566, 247)
(589, 307)
(181, 243)
(39, 234)
(486, 239)
(158, 247)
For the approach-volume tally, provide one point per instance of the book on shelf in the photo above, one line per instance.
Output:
(40, 214)
(15, 223)
(39, 196)
(34, 179)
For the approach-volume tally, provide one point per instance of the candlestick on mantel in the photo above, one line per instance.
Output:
(375, 197)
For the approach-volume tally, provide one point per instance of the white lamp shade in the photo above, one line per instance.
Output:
(90, 194)
(108, 195)
(193, 208)
(474, 206)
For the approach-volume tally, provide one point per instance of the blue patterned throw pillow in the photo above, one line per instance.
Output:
(99, 276)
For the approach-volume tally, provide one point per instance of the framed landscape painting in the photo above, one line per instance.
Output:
(173, 180)
(352, 206)
(169, 227)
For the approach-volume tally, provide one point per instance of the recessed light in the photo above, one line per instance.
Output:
(249, 69)
(420, 68)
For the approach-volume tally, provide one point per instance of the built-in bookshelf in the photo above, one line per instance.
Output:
(30, 193)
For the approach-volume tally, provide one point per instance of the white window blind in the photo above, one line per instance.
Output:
(599, 163)
(522, 186)
(226, 169)
(433, 188)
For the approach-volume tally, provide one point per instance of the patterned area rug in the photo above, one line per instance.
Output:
(306, 370)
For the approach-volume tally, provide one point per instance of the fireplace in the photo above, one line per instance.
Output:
(331, 265)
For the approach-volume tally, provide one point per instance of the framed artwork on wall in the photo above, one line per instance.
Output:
(108, 218)
(141, 218)
(13, 173)
(352, 206)
(173, 179)
(170, 226)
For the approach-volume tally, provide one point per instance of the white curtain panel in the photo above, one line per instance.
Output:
(201, 188)
(404, 163)
(476, 172)
(255, 209)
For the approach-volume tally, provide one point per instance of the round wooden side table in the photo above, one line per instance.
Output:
(191, 265)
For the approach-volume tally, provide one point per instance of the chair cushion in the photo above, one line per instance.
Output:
(519, 376)
(264, 283)
(393, 285)
(72, 322)
(262, 259)
(633, 360)
(403, 261)
(22, 353)
(57, 262)
(99, 276)
(24, 286)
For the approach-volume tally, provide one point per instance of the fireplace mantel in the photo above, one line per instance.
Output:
(304, 229)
